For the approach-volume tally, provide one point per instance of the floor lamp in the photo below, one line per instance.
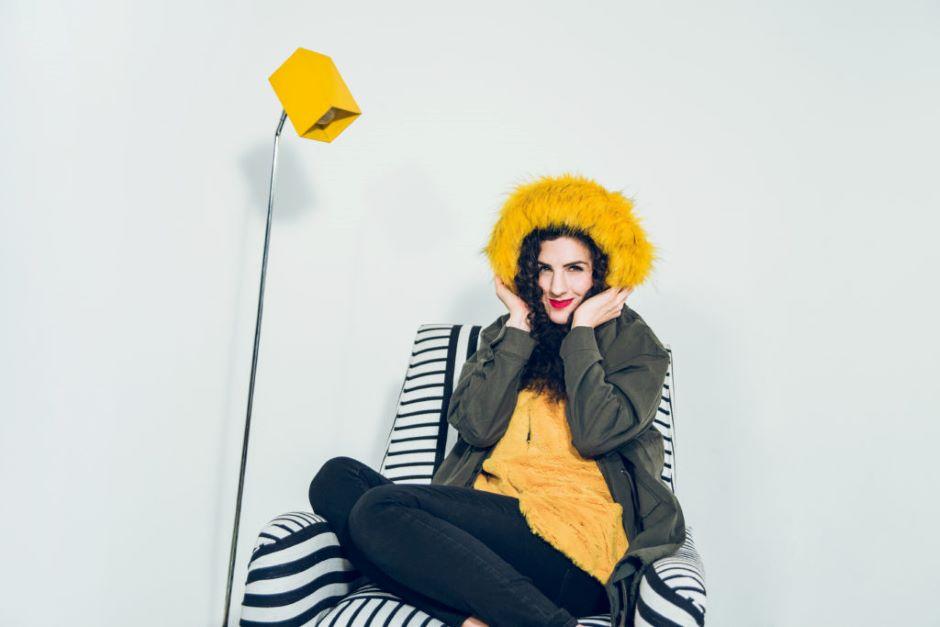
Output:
(320, 106)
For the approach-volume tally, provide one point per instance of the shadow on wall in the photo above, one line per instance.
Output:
(477, 303)
(295, 191)
(718, 423)
(406, 208)
(407, 212)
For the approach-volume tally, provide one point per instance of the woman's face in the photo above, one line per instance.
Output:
(565, 276)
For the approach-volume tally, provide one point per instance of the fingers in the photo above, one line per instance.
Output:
(619, 301)
(618, 293)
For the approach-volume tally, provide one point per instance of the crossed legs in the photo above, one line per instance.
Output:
(456, 553)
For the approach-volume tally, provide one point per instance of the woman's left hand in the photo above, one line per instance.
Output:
(601, 307)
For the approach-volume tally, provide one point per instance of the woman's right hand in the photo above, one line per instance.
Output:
(518, 309)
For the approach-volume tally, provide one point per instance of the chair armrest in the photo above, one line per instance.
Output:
(672, 592)
(296, 571)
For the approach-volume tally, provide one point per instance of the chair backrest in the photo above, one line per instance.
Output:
(420, 436)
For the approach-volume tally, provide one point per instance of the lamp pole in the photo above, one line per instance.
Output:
(254, 369)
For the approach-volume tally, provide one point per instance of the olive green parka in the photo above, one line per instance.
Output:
(614, 377)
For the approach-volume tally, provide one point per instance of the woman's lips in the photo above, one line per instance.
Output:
(560, 304)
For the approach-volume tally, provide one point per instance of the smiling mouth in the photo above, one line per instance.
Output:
(559, 304)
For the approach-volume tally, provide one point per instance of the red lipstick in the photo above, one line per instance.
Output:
(560, 304)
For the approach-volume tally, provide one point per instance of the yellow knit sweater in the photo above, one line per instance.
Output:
(562, 495)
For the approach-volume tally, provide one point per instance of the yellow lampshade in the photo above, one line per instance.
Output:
(314, 96)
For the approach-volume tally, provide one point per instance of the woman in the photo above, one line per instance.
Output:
(543, 511)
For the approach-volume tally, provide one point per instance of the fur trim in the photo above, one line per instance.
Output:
(571, 199)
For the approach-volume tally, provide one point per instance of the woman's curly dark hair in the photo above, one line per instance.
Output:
(544, 372)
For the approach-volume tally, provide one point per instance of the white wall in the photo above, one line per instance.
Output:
(781, 156)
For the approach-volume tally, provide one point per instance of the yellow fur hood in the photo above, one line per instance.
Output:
(573, 200)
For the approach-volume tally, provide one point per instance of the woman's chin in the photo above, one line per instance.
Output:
(560, 317)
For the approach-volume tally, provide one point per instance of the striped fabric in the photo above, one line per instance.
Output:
(673, 593)
(370, 605)
(297, 575)
(664, 424)
(419, 437)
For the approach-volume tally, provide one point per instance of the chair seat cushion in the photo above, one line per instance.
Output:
(369, 605)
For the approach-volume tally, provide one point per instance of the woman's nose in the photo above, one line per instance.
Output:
(559, 287)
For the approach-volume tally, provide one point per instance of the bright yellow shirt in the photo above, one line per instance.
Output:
(562, 495)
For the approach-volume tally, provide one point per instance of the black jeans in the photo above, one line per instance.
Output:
(451, 551)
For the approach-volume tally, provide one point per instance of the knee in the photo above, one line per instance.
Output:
(329, 476)
(365, 516)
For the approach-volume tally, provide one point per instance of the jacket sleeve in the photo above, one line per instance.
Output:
(611, 403)
(485, 395)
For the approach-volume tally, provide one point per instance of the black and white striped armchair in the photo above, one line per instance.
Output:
(297, 574)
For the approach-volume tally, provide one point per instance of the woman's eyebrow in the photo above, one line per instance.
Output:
(570, 263)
